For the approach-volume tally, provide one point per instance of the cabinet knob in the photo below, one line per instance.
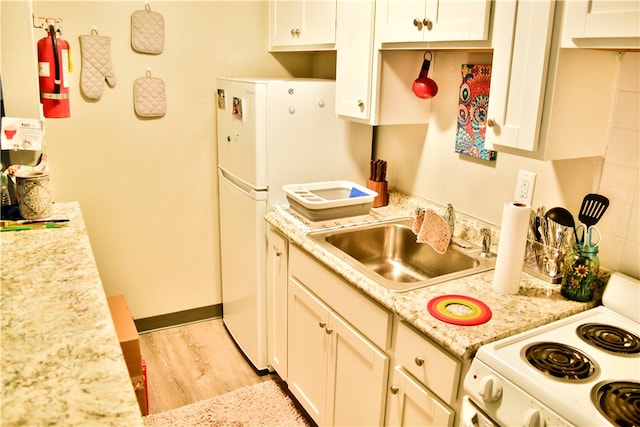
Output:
(491, 123)
(417, 23)
(295, 32)
(329, 331)
(322, 324)
(394, 389)
(427, 24)
(419, 361)
(360, 104)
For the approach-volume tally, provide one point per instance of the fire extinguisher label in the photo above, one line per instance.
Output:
(44, 69)
(65, 68)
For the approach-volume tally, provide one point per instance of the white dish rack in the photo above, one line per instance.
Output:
(319, 201)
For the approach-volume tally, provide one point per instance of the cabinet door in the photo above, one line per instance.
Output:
(400, 21)
(602, 19)
(458, 20)
(302, 23)
(356, 389)
(308, 350)
(284, 22)
(318, 22)
(355, 59)
(411, 404)
(519, 73)
(277, 257)
(432, 20)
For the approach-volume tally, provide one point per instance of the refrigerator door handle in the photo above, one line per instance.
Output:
(240, 185)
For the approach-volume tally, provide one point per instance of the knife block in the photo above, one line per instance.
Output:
(380, 187)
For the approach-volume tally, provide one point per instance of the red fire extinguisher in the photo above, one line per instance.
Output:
(53, 65)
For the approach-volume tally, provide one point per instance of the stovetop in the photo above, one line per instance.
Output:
(572, 396)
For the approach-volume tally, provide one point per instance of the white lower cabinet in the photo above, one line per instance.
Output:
(410, 403)
(337, 375)
(336, 372)
(341, 345)
(277, 273)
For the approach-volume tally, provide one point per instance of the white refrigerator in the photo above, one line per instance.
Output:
(272, 132)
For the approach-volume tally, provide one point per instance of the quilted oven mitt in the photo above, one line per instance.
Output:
(96, 65)
(147, 31)
(149, 97)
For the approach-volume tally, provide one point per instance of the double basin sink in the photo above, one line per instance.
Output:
(388, 253)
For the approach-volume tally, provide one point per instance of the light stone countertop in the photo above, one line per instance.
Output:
(537, 302)
(61, 359)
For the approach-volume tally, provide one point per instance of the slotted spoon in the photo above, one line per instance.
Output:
(592, 209)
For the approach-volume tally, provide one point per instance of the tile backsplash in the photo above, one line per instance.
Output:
(620, 182)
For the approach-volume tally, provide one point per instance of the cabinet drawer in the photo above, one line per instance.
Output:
(424, 360)
(355, 307)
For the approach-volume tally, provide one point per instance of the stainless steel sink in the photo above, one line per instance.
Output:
(388, 253)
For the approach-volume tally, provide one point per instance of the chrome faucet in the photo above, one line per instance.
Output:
(486, 242)
(450, 217)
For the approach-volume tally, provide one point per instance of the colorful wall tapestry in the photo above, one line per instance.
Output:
(472, 111)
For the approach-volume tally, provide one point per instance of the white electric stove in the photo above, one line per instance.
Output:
(583, 370)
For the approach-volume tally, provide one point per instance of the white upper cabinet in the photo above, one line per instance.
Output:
(355, 59)
(302, 25)
(602, 24)
(374, 87)
(432, 20)
(546, 102)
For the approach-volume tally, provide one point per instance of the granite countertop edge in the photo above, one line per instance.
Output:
(61, 359)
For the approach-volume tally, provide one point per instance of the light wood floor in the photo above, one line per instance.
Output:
(189, 363)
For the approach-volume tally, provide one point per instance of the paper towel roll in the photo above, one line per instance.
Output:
(513, 241)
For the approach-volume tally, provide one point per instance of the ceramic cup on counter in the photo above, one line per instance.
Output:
(34, 197)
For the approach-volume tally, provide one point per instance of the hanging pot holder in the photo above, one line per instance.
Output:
(147, 31)
(148, 96)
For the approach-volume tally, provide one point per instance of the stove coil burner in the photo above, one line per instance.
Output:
(618, 402)
(609, 338)
(559, 361)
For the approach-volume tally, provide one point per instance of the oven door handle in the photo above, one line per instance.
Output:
(472, 416)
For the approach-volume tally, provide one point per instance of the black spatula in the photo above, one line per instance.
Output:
(592, 209)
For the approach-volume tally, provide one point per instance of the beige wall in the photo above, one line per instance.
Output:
(148, 188)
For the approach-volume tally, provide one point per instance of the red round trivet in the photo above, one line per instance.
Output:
(479, 312)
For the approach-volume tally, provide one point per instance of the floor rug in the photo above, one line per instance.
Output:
(262, 404)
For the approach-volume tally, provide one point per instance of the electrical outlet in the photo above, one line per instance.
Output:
(524, 186)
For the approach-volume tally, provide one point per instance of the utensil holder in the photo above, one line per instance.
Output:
(544, 262)
(379, 187)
